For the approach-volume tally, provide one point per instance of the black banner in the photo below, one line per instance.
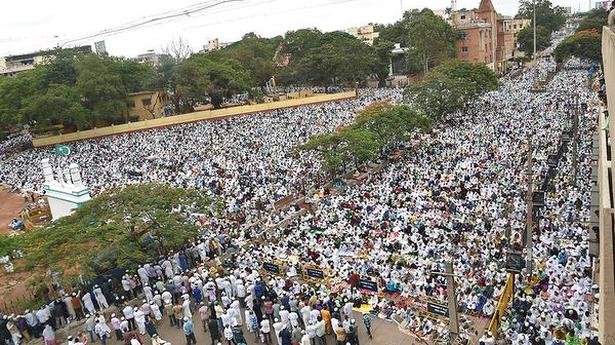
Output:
(437, 309)
(367, 284)
(514, 263)
(271, 267)
(315, 273)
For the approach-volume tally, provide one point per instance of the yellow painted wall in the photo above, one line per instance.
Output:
(186, 118)
(142, 111)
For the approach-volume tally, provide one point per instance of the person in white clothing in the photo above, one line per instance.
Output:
(266, 331)
(87, 302)
(100, 298)
(140, 320)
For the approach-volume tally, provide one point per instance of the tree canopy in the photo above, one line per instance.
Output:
(586, 42)
(202, 79)
(326, 59)
(254, 53)
(525, 38)
(74, 90)
(448, 87)
(430, 39)
(552, 18)
(376, 129)
(120, 228)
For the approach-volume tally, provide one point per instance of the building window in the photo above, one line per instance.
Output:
(146, 102)
(464, 49)
(464, 36)
(463, 16)
(130, 104)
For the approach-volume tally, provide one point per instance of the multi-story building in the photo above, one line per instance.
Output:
(514, 25)
(215, 44)
(476, 42)
(13, 64)
(487, 37)
(146, 105)
(150, 57)
(364, 33)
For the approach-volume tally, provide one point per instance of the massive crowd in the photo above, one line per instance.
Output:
(457, 195)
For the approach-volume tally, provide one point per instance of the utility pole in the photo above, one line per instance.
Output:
(534, 23)
(529, 241)
(452, 302)
(575, 137)
(453, 323)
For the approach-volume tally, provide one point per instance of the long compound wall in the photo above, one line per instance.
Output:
(186, 118)
(606, 317)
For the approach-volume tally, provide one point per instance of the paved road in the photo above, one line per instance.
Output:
(384, 333)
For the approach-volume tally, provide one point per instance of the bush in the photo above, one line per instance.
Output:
(116, 229)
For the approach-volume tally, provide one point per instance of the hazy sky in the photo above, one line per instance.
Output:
(27, 26)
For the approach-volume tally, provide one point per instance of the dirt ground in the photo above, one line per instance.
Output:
(11, 205)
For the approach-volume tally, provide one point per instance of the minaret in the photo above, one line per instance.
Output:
(65, 192)
(75, 175)
(67, 179)
(47, 171)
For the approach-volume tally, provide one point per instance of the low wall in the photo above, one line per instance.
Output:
(187, 118)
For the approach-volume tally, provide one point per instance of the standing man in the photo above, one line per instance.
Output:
(189, 331)
(204, 315)
(103, 331)
(321, 331)
(367, 321)
(100, 298)
(214, 330)
(90, 324)
(129, 314)
(116, 325)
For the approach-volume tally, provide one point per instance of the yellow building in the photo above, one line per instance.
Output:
(364, 33)
(146, 105)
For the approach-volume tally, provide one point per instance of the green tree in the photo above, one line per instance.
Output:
(437, 95)
(360, 147)
(396, 32)
(525, 38)
(479, 77)
(61, 70)
(383, 59)
(431, 39)
(297, 43)
(552, 18)
(60, 104)
(15, 94)
(338, 59)
(102, 89)
(119, 228)
(390, 123)
(586, 44)
(255, 54)
(448, 87)
(200, 78)
(377, 128)
(594, 19)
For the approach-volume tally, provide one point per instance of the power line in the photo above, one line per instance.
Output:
(335, 2)
(158, 19)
